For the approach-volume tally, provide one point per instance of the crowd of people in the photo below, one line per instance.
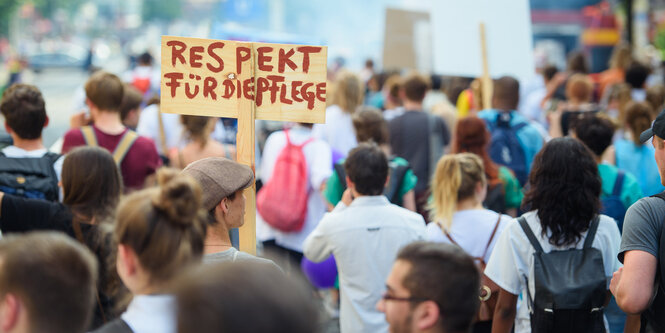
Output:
(413, 208)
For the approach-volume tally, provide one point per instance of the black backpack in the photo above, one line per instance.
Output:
(495, 200)
(396, 172)
(571, 287)
(653, 318)
(29, 177)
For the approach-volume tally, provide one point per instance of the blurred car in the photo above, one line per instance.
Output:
(58, 59)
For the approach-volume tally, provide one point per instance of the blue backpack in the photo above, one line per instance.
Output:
(612, 204)
(505, 147)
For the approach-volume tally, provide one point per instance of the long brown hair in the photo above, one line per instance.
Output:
(91, 183)
(472, 136)
(638, 119)
(164, 225)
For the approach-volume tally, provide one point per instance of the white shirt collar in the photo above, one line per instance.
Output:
(151, 313)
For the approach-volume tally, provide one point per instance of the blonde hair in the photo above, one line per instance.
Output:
(621, 57)
(455, 179)
(348, 92)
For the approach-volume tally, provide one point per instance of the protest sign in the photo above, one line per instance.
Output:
(248, 81)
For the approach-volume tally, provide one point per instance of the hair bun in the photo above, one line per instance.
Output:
(179, 197)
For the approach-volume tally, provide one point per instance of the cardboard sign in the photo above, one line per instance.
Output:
(210, 78)
(456, 31)
(248, 81)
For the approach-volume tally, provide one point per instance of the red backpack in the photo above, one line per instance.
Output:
(282, 202)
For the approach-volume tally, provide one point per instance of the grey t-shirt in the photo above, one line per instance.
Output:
(232, 255)
(642, 226)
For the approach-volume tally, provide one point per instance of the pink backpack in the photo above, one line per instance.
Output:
(282, 202)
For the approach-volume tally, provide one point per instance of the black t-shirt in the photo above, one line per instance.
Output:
(409, 139)
(24, 215)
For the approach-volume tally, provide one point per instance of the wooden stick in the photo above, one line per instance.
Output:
(245, 144)
(486, 78)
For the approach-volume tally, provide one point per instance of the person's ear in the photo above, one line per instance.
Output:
(8, 129)
(224, 205)
(46, 122)
(10, 309)
(127, 258)
(350, 184)
(387, 180)
(426, 315)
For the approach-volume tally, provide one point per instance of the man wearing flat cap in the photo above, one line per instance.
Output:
(635, 284)
(222, 182)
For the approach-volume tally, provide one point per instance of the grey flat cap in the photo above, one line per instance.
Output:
(219, 177)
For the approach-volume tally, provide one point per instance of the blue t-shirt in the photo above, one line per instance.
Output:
(529, 137)
(639, 161)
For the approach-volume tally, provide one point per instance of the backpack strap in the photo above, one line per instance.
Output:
(529, 234)
(126, 142)
(436, 144)
(618, 184)
(341, 174)
(496, 227)
(288, 140)
(89, 136)
(591, 234)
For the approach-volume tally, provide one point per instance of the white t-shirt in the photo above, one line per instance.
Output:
(471, 229)
(319, 168)
(512, 259)
(338, 130)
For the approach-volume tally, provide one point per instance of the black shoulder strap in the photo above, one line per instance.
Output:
(397, 173)
(341, 174)
(529, 234)
(616, 191)
(660, 195)
(591, 234)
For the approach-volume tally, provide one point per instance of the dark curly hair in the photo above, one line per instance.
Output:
(564, 187)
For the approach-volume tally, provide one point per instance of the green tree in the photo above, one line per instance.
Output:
(7, 11)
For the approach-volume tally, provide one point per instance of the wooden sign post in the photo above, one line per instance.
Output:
(486, 79)
(247, 81)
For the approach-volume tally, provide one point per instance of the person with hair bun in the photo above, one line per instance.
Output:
(197, 130)
(471, 136)
(635, 157)
(563, 198)
(159, 232)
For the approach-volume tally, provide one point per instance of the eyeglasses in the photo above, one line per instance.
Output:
(387, 297)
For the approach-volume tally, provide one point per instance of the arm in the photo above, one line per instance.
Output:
(409, 200)
(316, 247)
(632, 285)
(2, 196)
(504, 312)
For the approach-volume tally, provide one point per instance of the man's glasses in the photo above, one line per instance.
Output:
(388, 297)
